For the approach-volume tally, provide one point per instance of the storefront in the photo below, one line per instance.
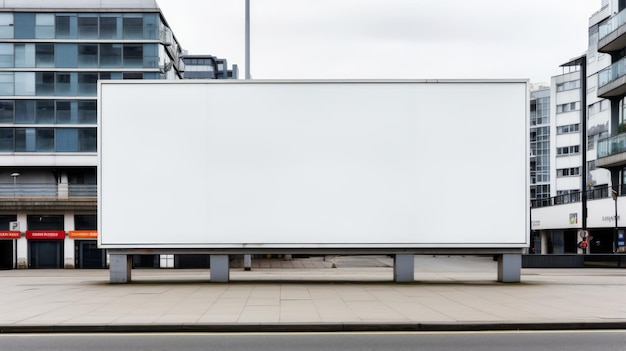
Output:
(8, 248)
(86, 251)
(8, 244)
(46, 237)
(45, 248)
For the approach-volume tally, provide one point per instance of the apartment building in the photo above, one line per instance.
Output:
(585, 212)
(52, 54)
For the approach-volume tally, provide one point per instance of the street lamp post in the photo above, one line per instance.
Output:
(247, 258)
(14, 175)
(247, 40)
(614, 195)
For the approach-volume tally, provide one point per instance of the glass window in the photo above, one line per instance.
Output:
(87, 112)
(110, 75)
(87, 84)
(85, 222)
(110, 26)
(6, 55)
(24, 111)
(25, 83)
(87, 140)
(66, 26)
(6, 25)
(87, 26)
(6, 139)
(65, 83)
(45, 139)
(24, 55)
(6, 83)
(152, 75)
(44, 83)
(44, 25)
(88, 55)
(133, 26)
(132, 75)
(133, 55)
(6, 111)
(66, 112)
(110, 55)
(151, 26)
(67, 55)
(25, 139)
(62, 27)
(44, 55)
(150, 56)
(45, 111)
(24, 25)
(67, 139)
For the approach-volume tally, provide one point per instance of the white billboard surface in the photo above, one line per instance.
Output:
(313, 164)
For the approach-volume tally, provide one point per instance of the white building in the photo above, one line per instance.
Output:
(584, 213)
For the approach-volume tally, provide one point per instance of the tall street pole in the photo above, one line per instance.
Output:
(247, 259)
(247, 46)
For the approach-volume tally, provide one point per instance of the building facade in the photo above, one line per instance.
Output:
(52, 54)
(584, 215)
(540, 144)
(208, 67)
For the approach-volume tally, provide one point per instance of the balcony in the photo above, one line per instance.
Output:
(612, 33)
(612, 80)
(59, 197)
(598, 192)
(612, 151)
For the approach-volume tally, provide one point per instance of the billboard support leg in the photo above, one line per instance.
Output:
(404, 268)
(509, 268)
(120, 267)
(219, 269)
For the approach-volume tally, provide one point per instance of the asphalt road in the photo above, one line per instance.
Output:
(466, 341)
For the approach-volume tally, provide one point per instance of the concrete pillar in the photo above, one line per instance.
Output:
(22, 243)
(120, 267)
(68, 243)
(509, 268)
(247, 262)
(22, 252)
(404, 268)
(544, 241)
(63, 187)
(219, 269)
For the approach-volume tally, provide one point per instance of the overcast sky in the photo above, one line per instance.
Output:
(418, 39)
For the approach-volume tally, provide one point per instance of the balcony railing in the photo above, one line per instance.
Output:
(611, 73)
(610, 25)
(611, 146)
(598, 192)
(10, 190)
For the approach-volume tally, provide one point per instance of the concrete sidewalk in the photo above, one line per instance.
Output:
(450, 293)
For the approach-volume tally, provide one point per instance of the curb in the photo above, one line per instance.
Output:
(306, 327)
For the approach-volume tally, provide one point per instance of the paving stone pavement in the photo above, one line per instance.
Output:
(450, 293)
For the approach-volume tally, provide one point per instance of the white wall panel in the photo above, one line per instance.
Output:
(557, 217)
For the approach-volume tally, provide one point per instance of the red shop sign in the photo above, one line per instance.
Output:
(45, 234)
(10, 234)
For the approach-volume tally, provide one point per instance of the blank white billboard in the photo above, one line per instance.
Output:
(313, 164)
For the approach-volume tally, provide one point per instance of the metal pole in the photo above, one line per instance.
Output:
(614, 194)
(247, 46)
(247, 259)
